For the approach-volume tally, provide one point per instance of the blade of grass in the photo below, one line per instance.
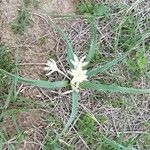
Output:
(8, 99)
(114, 144)
(14, 119)
(10, 94)
(39, 83)
(16, 73)
(1, 143)
(112, 88)
(93, 45)
(69, 48)
(101, 69)
(118, 32)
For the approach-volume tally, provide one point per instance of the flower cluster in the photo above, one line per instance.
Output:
(78, 73)
(51, 66)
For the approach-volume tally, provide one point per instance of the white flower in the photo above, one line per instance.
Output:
(79, 75)
(76, 63)
(51, 66)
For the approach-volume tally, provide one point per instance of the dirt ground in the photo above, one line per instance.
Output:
(40, 43)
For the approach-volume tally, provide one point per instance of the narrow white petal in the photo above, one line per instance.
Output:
(53, 61)
(67, 92)
(84, 64)
(76, 58)
(84, 71)
(74, 63)
(71, 73)
(49, 73)
(47, 68)
(49, 63)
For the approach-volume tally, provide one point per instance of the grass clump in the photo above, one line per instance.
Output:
(30, 2)
(86, 126)
(88, 8)
(137, 63)
(6, 64)
(22, 20)
(130, 33)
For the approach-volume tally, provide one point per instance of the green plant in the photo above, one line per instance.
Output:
(79, 74)
(29, 2)
(87, 127)
(129, 32)
(138, 62)
(22, 20)
(86, 8)
(6, 64)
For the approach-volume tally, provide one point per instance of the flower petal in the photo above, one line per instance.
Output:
(67, 92)
(76, 58)
(84, 71)
(49, 63)
(47, 68)
(84, 64)
(53, 61)
(74, 63)
(49, 73)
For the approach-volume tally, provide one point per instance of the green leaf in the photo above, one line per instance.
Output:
(85, 8)
(73, 111)
(69, 48)
(131, 64)
(1, 143)
(93, 45)
(112, 88)
(8, 99)
(39, 83)
(86, 126)
(101, 69)
(141, 60)
(113, 144)
(100, 10)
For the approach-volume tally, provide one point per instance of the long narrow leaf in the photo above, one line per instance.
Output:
(1, 143)
(73, 111)
(69, 48)
(112, 88)
(39, 83)
(10, 94)
(101, 69)
(93, 45)
(114, 144)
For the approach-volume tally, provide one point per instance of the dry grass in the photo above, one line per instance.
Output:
(124, 117)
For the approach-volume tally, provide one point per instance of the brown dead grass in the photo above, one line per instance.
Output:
(40, 43)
